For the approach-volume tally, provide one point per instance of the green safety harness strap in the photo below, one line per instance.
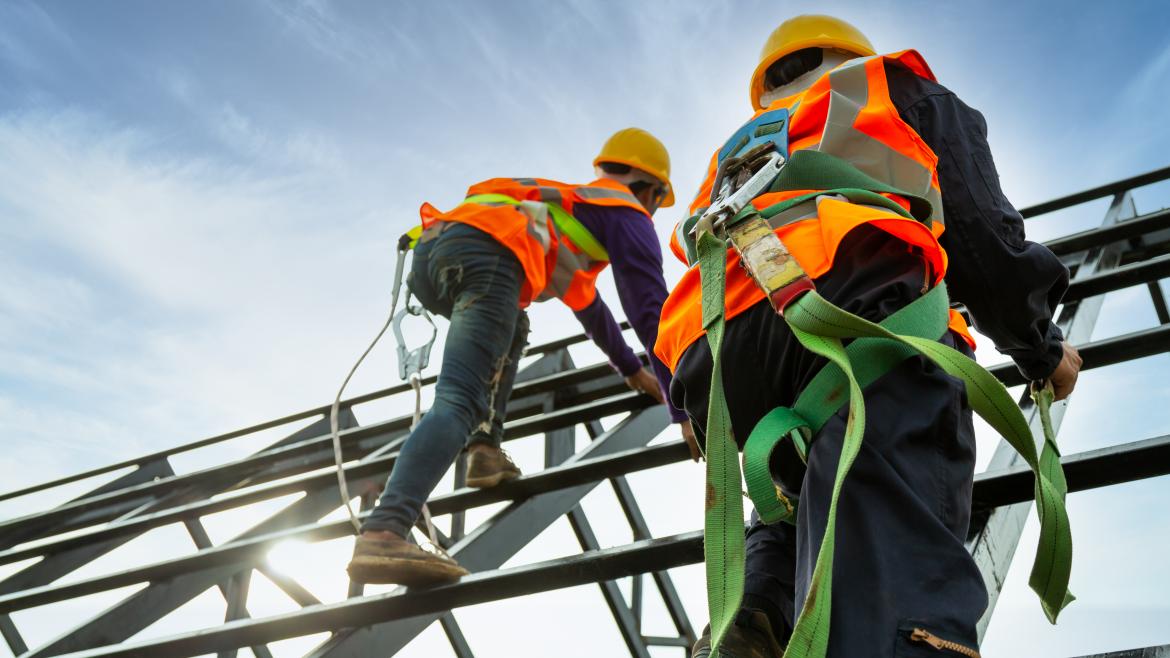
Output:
(821, 327)
(870, 358)
(567, 224)
(723, 545)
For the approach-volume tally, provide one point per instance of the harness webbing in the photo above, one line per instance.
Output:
(820, 327)
(723, 545)
(567, 224)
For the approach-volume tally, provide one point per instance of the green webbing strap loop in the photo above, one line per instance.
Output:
(567, 224)
(854, 195)
(871, 358)
(820, 326)
(815, 170)
(779, 424)
(723, 545)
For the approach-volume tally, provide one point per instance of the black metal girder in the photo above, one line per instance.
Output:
(1099, 192)
(563, 418)
(254, 547)
(1099, 237)
(265, 425)
(489, 545)
(1106, 352)
(1085, 471)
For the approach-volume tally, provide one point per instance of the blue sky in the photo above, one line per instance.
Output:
(199, 201)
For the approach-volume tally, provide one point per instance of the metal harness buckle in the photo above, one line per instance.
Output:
(412, 362)
(762, 254)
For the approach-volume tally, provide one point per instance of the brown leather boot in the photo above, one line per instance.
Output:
(487, 468)
(400, 562)
(750, 636)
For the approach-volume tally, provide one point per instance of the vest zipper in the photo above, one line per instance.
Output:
(921, 635)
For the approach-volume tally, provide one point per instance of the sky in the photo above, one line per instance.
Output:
(199, 204)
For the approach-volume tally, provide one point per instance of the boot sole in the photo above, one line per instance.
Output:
(373, 570)
(489, 481)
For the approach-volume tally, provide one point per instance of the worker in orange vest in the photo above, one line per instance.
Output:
(511, 242)
(872, 243)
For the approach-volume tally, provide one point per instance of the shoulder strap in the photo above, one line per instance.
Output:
(566, 224)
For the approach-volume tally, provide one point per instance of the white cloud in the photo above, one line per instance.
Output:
(197, 293)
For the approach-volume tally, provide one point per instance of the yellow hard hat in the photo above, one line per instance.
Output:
(639, 149)
(808, 31)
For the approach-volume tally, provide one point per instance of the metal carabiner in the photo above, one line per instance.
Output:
(730, 202)
(411, 362)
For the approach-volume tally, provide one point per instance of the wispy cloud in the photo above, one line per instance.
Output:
(189, 276)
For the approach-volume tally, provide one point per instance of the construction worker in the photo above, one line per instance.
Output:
(511, 242)
(904, 584)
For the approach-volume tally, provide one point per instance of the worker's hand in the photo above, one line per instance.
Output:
(644, 382)
(1064, 378)
(688, 434)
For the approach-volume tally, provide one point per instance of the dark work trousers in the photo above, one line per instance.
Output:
(903, 513)
(467, 276)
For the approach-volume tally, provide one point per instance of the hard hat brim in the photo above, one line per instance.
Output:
(641, 166)
(757, 85)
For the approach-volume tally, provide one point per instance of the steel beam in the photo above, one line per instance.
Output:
(662, 580)
(629, 624)
(1149, 652)
(455, 636)
(1101, 353)
(489, 545)
(1097, 354)
(346, 406)
(428, 604)
(1099, 192)
(1159, 299)
(994, 545)
(1148, 271)
(1098, 468)
(249, 550)
(108, 502)
(310, 451)
(1093, 469)
(158, 599)
(14, 534)
(12, 636)
(1110, 234)
(1086, 471)
(565, 417)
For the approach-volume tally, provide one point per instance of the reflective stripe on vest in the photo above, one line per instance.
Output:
(848, 114)
(579, 256)
(560, 258)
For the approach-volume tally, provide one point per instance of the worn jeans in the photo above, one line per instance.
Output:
(904, 510)
(467, 276)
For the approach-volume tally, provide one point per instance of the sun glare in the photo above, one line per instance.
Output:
(290, 557)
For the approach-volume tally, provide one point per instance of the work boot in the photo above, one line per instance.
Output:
(750, 636)
(400, 562)
(487, 468)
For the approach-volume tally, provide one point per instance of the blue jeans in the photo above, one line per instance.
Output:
(468, 277)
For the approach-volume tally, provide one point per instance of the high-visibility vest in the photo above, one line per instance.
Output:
(533, 217)
(846, 113)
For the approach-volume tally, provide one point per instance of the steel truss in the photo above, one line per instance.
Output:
(552, 397)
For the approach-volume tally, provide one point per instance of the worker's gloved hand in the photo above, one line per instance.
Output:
(688, 434)
(644, 382)
(1064, 378)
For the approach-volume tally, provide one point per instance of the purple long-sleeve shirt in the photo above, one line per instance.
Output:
(636, 258)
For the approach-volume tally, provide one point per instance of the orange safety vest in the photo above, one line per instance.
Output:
(554, 264)
(846, 113)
